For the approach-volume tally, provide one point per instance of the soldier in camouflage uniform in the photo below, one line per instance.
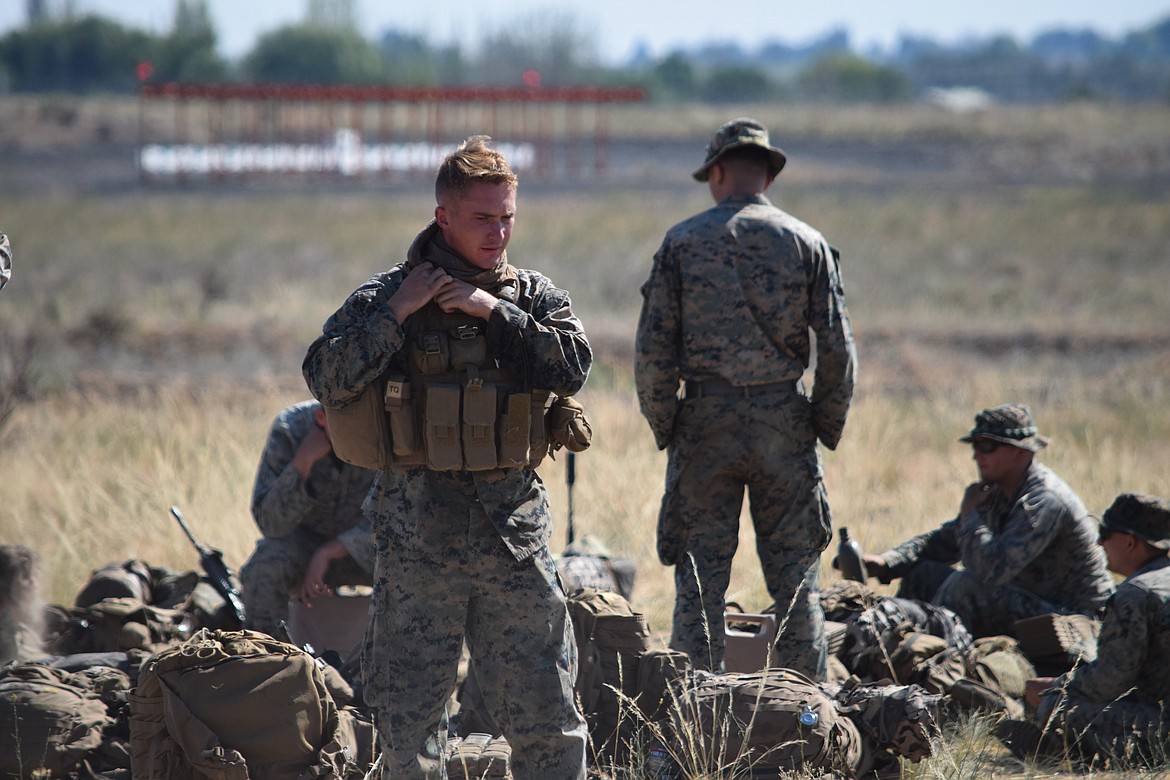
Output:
(1025, 540)
(307, 504)
(463, 553)
(1116, 707)
(727, 310)
(5, 260)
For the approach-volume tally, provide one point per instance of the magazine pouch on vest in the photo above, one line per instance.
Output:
(234, 705)
(450, 407)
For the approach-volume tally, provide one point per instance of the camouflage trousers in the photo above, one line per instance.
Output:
(274, 573)
(722, 448)
(444, 575)
(989, 610)
(1123, 733)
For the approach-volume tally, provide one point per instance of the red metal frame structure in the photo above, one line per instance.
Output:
(265, 129)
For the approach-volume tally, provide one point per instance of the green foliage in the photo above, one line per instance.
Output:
(302, 54)
(75, 55)
(674, 78)
(736, 84)
(408, 59)
(847, 78)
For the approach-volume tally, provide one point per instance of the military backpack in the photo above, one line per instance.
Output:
(235, 705)
(57, 721)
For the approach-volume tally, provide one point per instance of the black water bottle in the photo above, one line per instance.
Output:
(849, 558)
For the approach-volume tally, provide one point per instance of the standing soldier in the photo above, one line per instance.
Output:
(307, 503)
(1115, 706)
(727, 311)
(461, 521)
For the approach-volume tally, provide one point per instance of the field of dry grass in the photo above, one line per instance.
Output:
(166, 327)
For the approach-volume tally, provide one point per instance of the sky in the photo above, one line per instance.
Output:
(619, 26)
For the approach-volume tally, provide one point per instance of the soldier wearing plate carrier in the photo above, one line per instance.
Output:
(461, 350)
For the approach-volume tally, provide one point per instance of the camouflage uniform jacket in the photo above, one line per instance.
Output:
(1041, 540)
(329, 502)
(537, 337)
(5, 261)
(732, 294)
(1133, 649)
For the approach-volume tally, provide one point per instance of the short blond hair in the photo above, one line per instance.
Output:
(472, 162)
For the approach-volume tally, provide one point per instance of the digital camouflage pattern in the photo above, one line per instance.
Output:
(297, 516)
(905, 720)
(465, 554)
(5, 260)
(1025, 555)
(731, 297)
(1116, 705)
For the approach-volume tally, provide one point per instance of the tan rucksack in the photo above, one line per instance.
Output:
(235, 705)
(114, 624)
(51, 720)
(775, 719)
(611, 638)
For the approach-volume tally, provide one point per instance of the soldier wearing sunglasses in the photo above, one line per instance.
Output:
(1026, 543)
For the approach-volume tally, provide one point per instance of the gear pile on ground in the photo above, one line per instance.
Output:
(146, 677)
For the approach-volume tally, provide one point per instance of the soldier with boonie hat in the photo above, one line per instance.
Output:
(1112, 708)
(735, 134)
(753, 282)
(1026, 542)
(1007, 424)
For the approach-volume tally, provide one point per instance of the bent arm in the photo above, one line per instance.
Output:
(996, 558)
(356, 344)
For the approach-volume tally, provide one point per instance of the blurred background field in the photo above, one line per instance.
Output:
(150, 334)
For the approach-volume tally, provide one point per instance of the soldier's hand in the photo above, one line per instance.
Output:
(314, 585)
(312, 448)
(461, 296)
(417, 290)
(876, 566)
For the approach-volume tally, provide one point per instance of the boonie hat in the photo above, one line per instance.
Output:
(1009, 424)
(733, 135)
(1146, 517)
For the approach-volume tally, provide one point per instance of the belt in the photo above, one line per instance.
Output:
(721, 388)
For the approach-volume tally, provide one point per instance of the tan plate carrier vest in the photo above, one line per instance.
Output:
(451, 408)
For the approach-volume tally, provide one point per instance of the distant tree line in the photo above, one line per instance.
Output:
(91, 53)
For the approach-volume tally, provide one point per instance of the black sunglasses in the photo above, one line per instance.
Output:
(1103, 533)
(985, 446)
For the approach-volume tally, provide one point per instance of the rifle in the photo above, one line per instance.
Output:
(221, 577)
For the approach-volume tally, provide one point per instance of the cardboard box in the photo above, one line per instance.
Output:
(336, 622)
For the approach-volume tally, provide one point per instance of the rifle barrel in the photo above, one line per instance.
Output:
(183, 524)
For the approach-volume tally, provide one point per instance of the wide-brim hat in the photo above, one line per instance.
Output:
(1146, 517)
(736, 134)
(1008, 424)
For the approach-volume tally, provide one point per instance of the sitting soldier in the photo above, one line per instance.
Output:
(1023, 536)
(307, 503)
(1113, 708)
